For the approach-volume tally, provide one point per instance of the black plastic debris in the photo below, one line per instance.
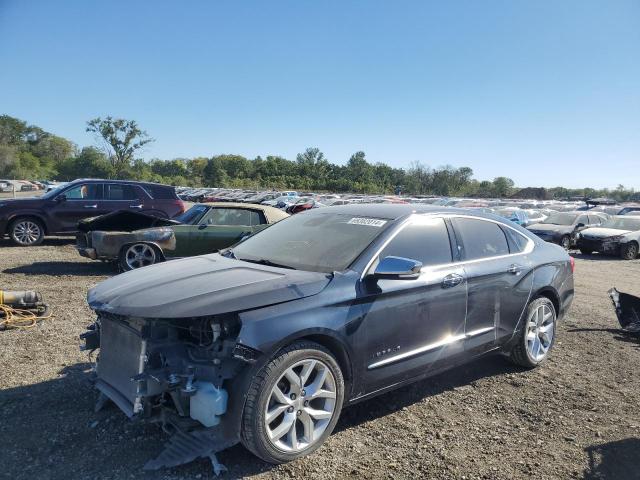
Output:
(627, 310)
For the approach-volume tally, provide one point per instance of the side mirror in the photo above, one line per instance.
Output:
(397, 268)
(61, 198)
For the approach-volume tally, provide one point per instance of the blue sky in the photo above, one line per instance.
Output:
(545, 92)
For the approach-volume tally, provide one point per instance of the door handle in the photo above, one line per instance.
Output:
(514, 269)
(202, 226)
(452, 280)
(91, 206)
(135, 206)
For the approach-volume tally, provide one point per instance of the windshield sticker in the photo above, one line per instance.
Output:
(371, 222)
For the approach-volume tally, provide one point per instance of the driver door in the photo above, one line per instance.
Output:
(412, 326)
(76, 203)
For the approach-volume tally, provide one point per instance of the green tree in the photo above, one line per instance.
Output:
(123, 138)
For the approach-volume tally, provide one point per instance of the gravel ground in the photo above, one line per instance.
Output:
(575, 417)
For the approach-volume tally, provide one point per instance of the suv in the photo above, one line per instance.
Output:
(57, 212)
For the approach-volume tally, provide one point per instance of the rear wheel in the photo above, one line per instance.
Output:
(629, 251)
(27, 232)
(293, 403)
(138, 255)
(586, 251)
(538, 335)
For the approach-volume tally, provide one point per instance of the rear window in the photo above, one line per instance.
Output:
(480, 238)
(161, 192)
(118, 191)
(426, 241)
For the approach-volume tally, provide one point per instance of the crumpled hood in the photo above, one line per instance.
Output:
(201, 286)
(599, 232)
(550, 228)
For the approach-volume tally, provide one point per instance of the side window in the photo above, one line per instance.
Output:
(232, 217)
(594, 220)
(582, 219)
(89, 191)
(517, 242)
(119, 191)
(480, 238)
(426, 241)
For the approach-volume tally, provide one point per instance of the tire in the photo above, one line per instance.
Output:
(585, 251)
(137, 255)
(26, 231)
(260, 435)
(565, 242)
(525, 353)
(629, 251)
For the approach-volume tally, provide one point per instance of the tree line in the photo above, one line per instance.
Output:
(29, 152)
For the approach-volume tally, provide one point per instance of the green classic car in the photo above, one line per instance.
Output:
(136, 240)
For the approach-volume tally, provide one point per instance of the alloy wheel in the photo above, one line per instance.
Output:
(300, 406)
(26, 232)
(540, 331)
(140, 255)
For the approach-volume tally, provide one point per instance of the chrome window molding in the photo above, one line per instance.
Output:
(528, 248)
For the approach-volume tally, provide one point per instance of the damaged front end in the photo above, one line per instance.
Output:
(179, 373)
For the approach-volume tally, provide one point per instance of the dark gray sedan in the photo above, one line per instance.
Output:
(266, 342)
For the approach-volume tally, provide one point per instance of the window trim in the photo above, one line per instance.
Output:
(73, 187)
(455, 253)
(108, 184)
(447, 227)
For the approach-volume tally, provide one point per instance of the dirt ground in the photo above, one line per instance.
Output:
(575, 417)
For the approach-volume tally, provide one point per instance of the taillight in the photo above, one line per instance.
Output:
(572, 261)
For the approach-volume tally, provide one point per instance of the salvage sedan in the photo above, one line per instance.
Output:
(266, 342)
(619, 236)
(563, 227)
(204, 228)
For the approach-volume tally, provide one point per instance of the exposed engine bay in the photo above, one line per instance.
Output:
(173, 372)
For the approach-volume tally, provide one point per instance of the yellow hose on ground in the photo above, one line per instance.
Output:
(11, 317)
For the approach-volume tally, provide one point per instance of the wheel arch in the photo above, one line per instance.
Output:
(31, 215)
(550, 293)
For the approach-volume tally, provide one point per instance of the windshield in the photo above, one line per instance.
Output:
(621, 223)
(561, 219)
(320, 243)
(191, 216)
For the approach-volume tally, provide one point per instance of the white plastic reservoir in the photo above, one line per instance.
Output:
(208, 403)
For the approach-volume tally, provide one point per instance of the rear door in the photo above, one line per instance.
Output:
(499, 278)
(412, 326)
(123, 196)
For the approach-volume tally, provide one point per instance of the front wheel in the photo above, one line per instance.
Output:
(629, 251)
(26, 232)
(565, 242)
(293, 403)
(538, 335)
(138, 255)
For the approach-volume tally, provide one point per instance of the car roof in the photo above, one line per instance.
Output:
(273, 214)
(94, 180)
(391, 211)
